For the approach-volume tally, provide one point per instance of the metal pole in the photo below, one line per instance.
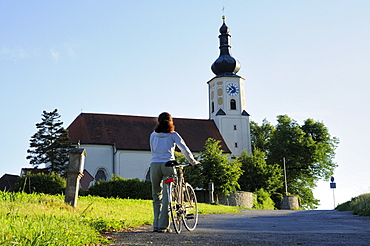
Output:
(334, 198)
(210, 190)
(286, 182)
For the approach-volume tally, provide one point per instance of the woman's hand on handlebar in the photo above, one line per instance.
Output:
(198, 163)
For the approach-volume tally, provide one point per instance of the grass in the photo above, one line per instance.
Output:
(359, 205)
(40, 219)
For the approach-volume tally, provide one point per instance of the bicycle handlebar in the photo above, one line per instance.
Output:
(175, 164)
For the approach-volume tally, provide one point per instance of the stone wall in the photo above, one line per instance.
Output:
(239, 199)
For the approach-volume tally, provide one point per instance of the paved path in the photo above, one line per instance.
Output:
(262, 227)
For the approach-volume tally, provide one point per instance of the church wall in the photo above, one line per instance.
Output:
(99, 157)
(133, 164)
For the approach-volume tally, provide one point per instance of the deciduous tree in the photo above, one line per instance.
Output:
(308, 151)
(258, 174)
(217, 168)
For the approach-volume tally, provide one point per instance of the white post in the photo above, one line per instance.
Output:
(211, 189)
(334, 198)
(286, 182)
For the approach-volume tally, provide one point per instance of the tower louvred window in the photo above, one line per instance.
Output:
(232, 104)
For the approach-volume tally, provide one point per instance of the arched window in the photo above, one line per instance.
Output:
(213, 107)
(101, 175)
(232, 104)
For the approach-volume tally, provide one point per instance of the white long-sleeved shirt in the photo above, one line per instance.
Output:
(163, 146)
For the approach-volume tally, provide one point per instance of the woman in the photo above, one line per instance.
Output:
(163, 141)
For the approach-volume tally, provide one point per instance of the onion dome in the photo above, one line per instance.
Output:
(225, 65)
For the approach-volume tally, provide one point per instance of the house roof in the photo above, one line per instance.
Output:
(132, 132)
(7, 181)
(34, 170)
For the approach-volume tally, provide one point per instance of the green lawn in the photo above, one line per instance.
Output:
(39, 219)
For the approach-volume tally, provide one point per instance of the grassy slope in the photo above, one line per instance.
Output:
(359, 205)
(39, 219)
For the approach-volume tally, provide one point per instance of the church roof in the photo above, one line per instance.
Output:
(132, 132)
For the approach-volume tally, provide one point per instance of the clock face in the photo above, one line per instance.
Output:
(232, 89)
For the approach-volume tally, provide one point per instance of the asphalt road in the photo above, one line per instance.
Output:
(261, 227)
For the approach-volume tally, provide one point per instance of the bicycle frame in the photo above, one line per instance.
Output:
(182, 201)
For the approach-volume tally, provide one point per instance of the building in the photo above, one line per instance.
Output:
(8, 181)
(119, 144)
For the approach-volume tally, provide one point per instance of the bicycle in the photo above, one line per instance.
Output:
(182, 200)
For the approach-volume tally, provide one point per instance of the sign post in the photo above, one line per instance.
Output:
(333, 186)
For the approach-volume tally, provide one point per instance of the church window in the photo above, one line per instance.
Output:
(232, 104)
(234, 127)
(219, 92)
(236, 145)
(101, 175)
(213, 107)
(220, 101)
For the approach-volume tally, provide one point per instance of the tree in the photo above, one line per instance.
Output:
(192, 175)
(217, 168)
(308, 151)
(258, 174)
(50, 144)
(260, 135)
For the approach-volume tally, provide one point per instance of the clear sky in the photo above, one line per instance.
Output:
(306, 59)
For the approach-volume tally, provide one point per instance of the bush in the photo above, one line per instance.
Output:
(262, 200)
(118, 187)
(361, 205)
(344, 206)
(50, 183)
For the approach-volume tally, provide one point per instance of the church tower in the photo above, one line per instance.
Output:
(227, 99)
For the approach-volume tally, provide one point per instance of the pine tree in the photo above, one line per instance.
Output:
(50, 144)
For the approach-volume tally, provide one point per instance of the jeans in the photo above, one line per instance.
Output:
(159, 172)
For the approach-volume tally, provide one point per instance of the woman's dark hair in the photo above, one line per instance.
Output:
(165, 123)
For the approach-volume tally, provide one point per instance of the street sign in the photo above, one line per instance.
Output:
(332, 179)
(333, 185)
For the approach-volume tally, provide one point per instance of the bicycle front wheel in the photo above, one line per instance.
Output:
(175, 206)
(191, 208)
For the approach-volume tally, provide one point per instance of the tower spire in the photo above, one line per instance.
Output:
(225, 64)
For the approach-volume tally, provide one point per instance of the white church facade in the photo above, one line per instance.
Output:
(119, 144)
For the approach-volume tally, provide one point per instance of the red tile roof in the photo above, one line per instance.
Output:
(132, 132)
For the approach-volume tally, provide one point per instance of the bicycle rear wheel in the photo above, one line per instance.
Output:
(175, 206)
(191, 208)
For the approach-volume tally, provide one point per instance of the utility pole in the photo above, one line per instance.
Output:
(286, 182)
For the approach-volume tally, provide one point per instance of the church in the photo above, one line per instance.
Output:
(119, 144)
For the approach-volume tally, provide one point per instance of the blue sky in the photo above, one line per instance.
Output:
(306, 59)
